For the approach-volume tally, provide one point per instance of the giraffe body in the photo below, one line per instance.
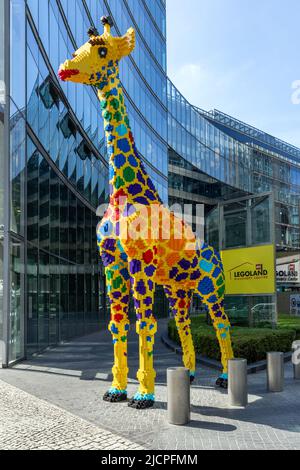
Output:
(143, 244)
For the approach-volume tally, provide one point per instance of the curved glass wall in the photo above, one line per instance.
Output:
(242, 131)
(220, 153)
(204, 146)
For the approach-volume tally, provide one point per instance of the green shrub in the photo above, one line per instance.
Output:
(289, 322)
(264, 324)
(248, 343)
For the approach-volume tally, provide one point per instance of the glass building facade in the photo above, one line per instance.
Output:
(54, 165)
(51, 282)
(216, 158)
(275, 167)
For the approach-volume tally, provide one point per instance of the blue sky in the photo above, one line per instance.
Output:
(241, 57)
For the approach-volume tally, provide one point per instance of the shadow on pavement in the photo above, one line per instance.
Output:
(208, 426)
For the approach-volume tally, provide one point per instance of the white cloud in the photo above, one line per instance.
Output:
(234, 75)
(190, 70)
(190, 80)
(206, 87)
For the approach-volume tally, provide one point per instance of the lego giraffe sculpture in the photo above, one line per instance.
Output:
(137, 263)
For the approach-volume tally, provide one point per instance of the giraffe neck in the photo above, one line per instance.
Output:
(127, 175)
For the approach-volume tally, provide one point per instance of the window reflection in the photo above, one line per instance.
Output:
(61, 232)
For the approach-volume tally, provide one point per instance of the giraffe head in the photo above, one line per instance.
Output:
(92, 62)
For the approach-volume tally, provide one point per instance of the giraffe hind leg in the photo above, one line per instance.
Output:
(212, 290)
(222, 327)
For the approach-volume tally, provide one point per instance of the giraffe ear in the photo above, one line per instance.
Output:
(126, 43)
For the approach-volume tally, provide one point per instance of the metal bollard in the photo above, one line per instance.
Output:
(179, 401)
(296, 359)
(238, 382)
(275, 372)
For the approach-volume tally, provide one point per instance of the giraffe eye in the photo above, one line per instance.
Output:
(102, 51)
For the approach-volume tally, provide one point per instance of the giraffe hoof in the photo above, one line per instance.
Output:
(141, 404)
(115, 397)
(219, 382)
(222, 383)
(225, 384)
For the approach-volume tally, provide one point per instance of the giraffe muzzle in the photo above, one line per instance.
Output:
(66, 74)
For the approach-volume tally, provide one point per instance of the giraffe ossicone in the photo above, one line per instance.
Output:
(151, 256)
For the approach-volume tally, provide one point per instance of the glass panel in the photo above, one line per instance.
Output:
(17, 52)
(64, 300)
(44, 205)
(16, 302)
(32, 300)
(80, 298)
(235, 229)
(263, 311)
(54, 213)
(251, 311)
(76, 324)
(212, 228)
(237, 309)
(43, 301)
(17, 171)
(32, 193)
(260, 221)
(54, 301)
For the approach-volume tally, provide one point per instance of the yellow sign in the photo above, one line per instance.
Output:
(250, 270)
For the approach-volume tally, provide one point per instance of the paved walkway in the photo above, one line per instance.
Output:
(28, 423)
(75, 376)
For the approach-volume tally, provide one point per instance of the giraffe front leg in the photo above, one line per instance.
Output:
(143, 292)
(118, 391)
(145, 397)
(118, 290)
